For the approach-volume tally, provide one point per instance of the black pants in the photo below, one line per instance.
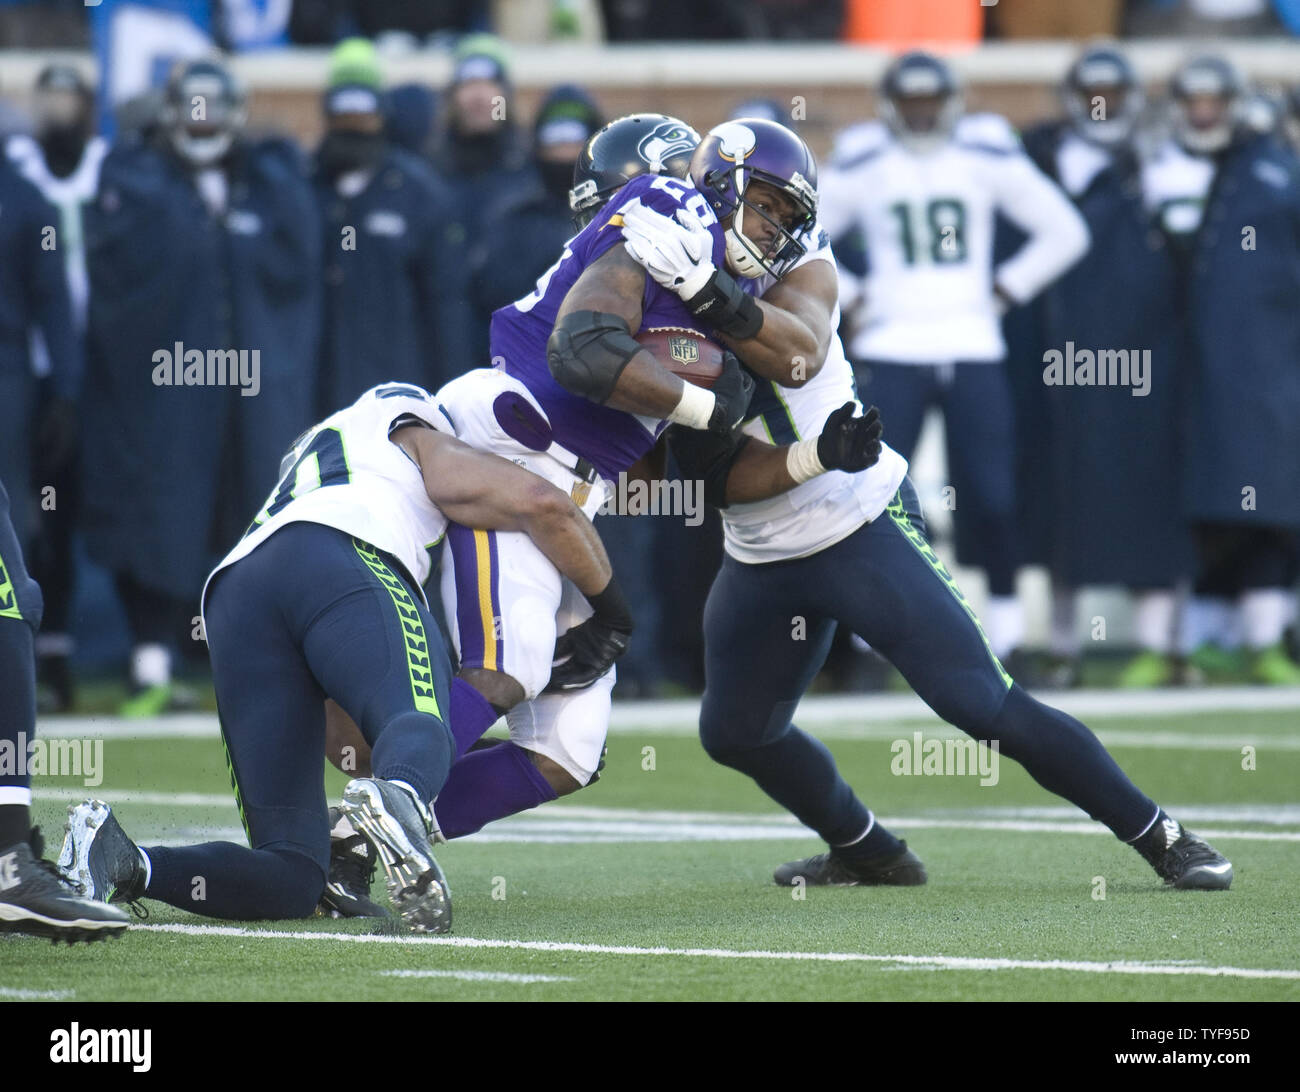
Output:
(767, 629)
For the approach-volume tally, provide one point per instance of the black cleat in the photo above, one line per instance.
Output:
(901, 869)
(98, 859)
(1182, 859)
(352, 870)
(34, 899)
(401, 828)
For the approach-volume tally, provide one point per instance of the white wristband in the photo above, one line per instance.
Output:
(801, 460)
(695, 409)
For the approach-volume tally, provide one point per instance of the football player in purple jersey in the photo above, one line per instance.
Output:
(573, 397)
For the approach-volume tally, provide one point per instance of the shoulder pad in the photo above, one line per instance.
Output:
(858, 143)
(987, 133)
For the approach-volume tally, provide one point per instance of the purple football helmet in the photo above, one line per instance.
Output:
(736, 153)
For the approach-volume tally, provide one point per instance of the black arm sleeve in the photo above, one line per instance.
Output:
(707, 457)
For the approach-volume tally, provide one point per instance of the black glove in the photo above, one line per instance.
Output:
(733, 389)
(850, 443)
(585, 652)
(56, 431)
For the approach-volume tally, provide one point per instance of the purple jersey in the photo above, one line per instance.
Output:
(611, 439)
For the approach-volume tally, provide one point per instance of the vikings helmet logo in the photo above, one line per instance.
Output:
(735, 141)
(663, 142)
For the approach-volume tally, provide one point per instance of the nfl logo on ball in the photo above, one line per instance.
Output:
(684, 350)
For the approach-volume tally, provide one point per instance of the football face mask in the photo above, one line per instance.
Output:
(771, 221)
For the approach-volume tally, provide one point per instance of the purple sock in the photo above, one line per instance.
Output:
(471, 715)
(489, 784)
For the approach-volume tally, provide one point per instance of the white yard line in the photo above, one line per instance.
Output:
(479, 976)
(851, 715)
(579, 825)
(36, 995)
(926, 962)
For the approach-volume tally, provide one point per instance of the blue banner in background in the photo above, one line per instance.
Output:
(138, 41)
(255, 24)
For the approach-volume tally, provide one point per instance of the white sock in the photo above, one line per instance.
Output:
(1063, 640)
(1263, 615)
(1154, 620)
(148, 866)
(1004, 623)
(15, 794)
(151, 665)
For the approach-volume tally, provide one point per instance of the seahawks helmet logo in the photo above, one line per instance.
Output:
(684, 350)
(663, 142)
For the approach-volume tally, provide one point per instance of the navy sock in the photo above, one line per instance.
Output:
(798, 772)
(223, 880)
(1065, 758)
(15, 824)
(471, 715)
(416, 748)
(489, 784)
(17, 721)
(876, 842)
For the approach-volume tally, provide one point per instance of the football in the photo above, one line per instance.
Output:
(684, 352)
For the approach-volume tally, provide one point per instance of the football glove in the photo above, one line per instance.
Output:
(850, 443)
(677, 253)
(732, 391)
(57, 425)
(587, 651)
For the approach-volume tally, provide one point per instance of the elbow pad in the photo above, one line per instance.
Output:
(727, 307)
(707, 457)
(587, 352)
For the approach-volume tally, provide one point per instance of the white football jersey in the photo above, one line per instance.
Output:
(927, 222)
(345, 472)
(830, 507)
(1175, 186)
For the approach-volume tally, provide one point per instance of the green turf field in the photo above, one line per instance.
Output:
(655, 884)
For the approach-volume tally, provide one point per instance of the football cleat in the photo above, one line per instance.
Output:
(901, 869)
(1146, 671)
(97, 858)
(34, 899)
(1182, 859)
(401, 829)
(352, 869)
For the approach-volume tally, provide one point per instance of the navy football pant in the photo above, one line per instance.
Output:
(767, 629)
(20, 617)
(311, 613)
(980, 447)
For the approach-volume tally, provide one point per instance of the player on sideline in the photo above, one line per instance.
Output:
(842, 549)
(321, 598)
(925, 189)
(33, 899)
